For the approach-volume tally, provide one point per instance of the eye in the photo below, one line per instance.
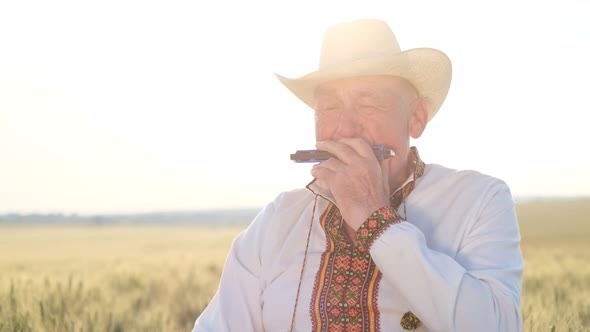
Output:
(366, 109)
(327, 108)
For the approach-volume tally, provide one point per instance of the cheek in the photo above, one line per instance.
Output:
(324, 128)
(389, 133)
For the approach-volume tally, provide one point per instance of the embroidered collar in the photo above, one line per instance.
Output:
(419, 166)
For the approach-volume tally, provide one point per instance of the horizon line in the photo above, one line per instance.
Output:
(517, 200)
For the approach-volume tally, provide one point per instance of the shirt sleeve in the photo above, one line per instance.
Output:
(478, 289)
(236, 306)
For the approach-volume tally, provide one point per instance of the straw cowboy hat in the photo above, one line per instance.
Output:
(369, 47)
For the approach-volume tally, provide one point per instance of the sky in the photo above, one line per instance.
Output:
(139, 106)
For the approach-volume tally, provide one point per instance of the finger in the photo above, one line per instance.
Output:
(320, 172)
(360, 146)
(327, 168)
(332, 164)
(340, 150)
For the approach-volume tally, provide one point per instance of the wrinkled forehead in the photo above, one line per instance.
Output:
(368, 86)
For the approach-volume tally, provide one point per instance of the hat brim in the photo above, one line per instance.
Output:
(428, 70)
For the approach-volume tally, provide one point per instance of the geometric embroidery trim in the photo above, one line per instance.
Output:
(378, 222)
(346, 286)
(345, 290)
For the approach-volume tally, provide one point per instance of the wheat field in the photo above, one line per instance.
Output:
(159, 278)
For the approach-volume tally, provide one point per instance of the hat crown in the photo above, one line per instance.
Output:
(360, 39)
(369, 47)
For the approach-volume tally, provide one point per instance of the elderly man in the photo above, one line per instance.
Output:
(370, 244)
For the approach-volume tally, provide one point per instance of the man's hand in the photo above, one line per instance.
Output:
(356, 179)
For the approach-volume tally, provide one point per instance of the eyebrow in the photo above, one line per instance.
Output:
(320, 91)
(368, 93)
(360, 93)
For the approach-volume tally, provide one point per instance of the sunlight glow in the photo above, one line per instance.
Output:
(142, 106)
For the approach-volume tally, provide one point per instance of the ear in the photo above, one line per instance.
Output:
(418, 119)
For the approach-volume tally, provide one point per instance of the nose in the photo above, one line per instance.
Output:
(348, 124)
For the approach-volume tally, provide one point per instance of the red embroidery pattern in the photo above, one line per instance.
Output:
(377, 223)
(345, 290)
(346, 286)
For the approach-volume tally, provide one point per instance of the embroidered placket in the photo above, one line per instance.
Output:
(346, 286)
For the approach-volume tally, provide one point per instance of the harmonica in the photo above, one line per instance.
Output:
(316, 156)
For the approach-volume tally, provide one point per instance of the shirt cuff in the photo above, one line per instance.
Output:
(375, 225)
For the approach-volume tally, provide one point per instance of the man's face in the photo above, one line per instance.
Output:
(375, 108)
